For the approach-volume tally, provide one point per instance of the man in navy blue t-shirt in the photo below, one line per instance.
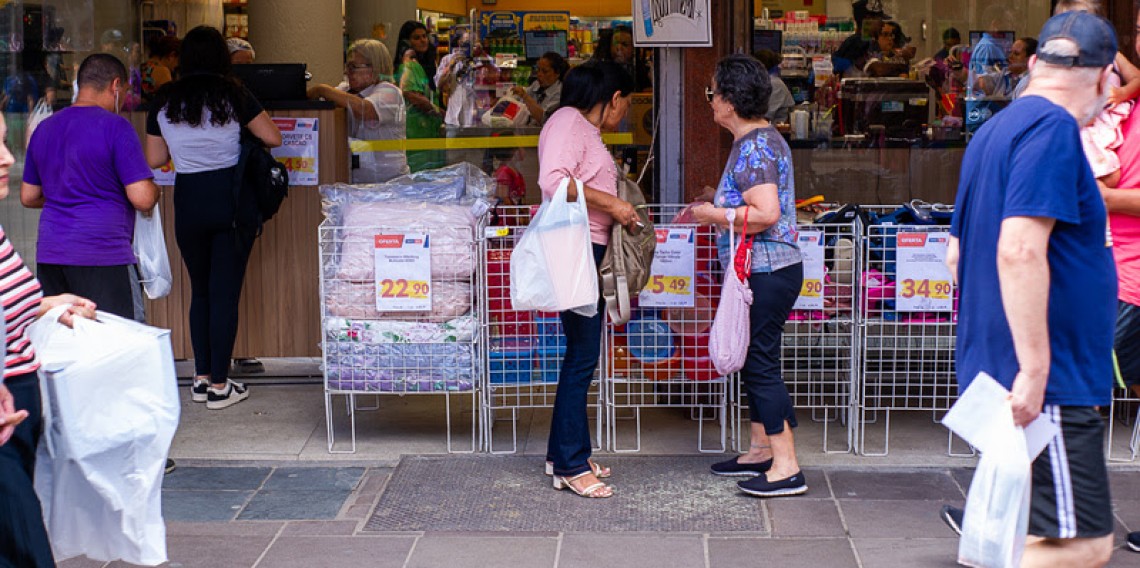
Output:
(1038, 285)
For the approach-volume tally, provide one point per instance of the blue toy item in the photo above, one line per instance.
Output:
(649, 338)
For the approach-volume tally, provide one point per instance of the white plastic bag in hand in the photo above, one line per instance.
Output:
(552, 266)
(40, 113)
(997, 506)
(111, 408)
(150, 248)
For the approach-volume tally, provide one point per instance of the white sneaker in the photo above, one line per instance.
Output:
(217, 399)
(199, 389)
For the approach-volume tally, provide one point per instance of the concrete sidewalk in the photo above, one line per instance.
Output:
(256, 486)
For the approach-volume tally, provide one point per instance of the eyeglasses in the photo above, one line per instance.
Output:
(352, 67)
(710, 93)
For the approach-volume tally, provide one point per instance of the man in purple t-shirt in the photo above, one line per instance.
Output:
(86, 169)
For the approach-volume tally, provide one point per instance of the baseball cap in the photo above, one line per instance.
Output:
(1092, 33)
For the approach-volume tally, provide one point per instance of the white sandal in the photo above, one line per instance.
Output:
(600, 471)
(591, 492)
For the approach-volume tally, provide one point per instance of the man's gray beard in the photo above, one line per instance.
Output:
(1094, 109)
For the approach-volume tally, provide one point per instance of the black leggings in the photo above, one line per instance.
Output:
(215, 254)
(773, 295)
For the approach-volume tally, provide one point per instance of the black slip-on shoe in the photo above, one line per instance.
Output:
(759, 486)
(733, 468)
(1133, 542)
(952, 516)
(169, 466)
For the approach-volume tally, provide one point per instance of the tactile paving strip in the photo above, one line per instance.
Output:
(510, 493)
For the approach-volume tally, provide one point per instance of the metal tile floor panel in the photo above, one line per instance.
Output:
(497, 493)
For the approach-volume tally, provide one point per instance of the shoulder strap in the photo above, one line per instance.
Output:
(615, 286)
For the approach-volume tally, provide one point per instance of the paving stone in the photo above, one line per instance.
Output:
(294, 505)
(516, 552)
(782, 552)
(358, 512)
(314, 478)
(508, 493)
(1125, 486)
(894, 552)
(319, 528)
(963, 475)
(794, 517)
(894, 519)
(216, 478)
(259, 528)
(203, 505)
(218, 551)
(310, 551)
(631, 551)
(80, 562)
(880, 485)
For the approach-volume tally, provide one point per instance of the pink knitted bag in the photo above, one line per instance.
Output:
(730, 335)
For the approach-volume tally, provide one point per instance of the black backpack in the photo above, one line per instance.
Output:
(259, 173)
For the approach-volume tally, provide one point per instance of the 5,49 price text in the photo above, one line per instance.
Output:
(934, 289)
(678, 285)
(401, 288)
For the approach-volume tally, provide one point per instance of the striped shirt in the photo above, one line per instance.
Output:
(20, 296)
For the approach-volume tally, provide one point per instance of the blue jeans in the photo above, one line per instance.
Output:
(569, 446)
(23, 539)
(1127, 344)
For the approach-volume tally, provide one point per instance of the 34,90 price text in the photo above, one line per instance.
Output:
(417, 289)
(812, 288)
(934, 289)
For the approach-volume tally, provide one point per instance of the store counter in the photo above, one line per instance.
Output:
(279, 312)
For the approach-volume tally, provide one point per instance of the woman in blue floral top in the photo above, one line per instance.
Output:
(758, 180)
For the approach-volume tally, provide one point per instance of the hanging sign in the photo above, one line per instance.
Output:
(299, 149)
(923, 282)
(164, 175)
(671, 275)
(672, 23)
(811, 292)
(403, 272)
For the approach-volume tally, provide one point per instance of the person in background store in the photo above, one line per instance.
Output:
(850, 58)
(197, 122)
(759, 185)
(950, 38)
(1042, 323)
(375, 107)
(86, 170)
(545, 93)
(595, 99)
(241, 51)
(1019, 55)
(893, 57)
(415, 74)
(23, 538)
(781, 102)
(159, 67)
(617, 46)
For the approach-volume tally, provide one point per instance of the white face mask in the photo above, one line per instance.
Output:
(117, 107)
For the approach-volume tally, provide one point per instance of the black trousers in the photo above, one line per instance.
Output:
(114, 289)
(23, 539)
(215, 254)
(773, 295)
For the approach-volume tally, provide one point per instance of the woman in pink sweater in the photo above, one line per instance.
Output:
(595, 98)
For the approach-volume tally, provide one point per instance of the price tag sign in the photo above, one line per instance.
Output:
(811, 293)
(403, 273)
(674, 266)
(299, 149)
(165, 174)
(923, 282)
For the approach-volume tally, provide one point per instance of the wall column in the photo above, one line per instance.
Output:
(300, 31)
(360, 16)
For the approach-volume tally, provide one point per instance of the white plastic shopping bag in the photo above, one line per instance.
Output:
(110, 411)
(996, 519)
(150, 248)
(40, 113)
(552, 266)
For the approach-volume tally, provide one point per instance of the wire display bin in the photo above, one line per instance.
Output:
(401, 295)
(659, 359)
(907, 321)
(524, 349)
(820, 352)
